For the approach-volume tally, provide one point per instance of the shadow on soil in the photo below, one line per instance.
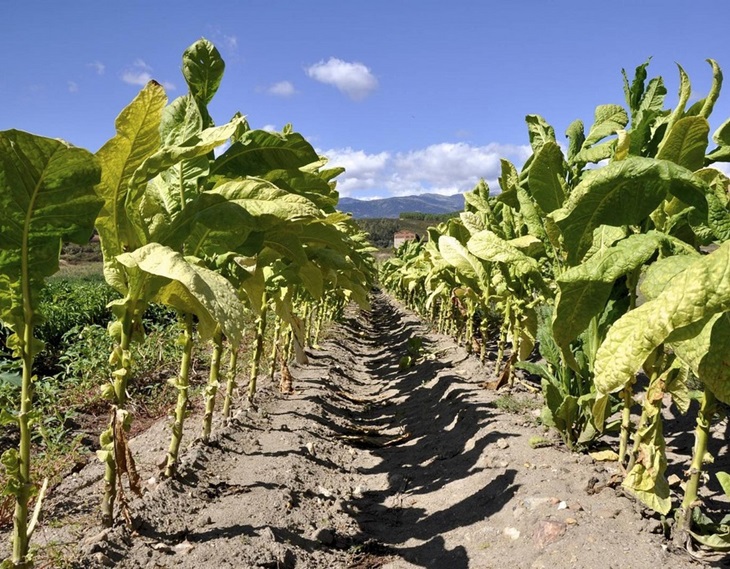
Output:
(428, 434)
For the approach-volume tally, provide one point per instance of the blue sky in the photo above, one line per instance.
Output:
(410, 96)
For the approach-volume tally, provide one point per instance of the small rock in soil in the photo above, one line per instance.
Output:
(512, 533)
(325, 536)
(606, 513)
(103, 560)
(547, 532)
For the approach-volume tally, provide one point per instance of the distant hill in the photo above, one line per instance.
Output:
(393, 207)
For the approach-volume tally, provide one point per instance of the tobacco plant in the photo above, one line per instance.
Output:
(41, 179)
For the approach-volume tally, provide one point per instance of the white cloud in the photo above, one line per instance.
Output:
(97, 66)
(281, 89)
(445, 168)
(139, 73)
(270, 128)
(353, 79)
(73, 87)
(231, 42)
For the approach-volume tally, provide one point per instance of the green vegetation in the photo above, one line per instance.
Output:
(563, 255)
(218, 240)
(431, 217)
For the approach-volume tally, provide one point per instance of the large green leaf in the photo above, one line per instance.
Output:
(608, 120)
(705, 348)
(662, 272)
(623, 193)
(203, 69)
(635, 91)
(459, 257)
(190, 288)
(46, 197)
(258, 152)
(575, 133)
(137, 138)
(490, 247)
(198, 145)
(584, 290)
(547, 177)
(181, 120)
(722, 138)
(686, 142)
(701, 290)
(539, 131)
(308, 184)
(265, 202)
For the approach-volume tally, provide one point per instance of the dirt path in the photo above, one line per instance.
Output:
(366, 466)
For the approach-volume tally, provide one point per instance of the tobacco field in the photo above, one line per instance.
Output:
(542, 382)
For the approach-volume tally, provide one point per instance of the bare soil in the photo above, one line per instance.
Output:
(368, 465)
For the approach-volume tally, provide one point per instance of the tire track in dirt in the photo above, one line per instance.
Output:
(366, 465)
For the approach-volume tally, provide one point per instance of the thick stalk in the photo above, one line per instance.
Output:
(321, 312)
(484, 330)
(257, 351)
(21, 537)
(108, 442)
(230, 383)
(182, 398)
(469, 327)
(627, 397)
(275, 347)
(212, 388)
(305, 311)
(702, 435)
(288, 345)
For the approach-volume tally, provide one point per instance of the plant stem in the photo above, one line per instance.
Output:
(213, 383)
(21, 537)
(258, 350)
(275, 347)
(626, 396)
(182, 398)
(124, 368)
(231, 383)
(702, 435)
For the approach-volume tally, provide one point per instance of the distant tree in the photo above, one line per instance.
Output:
(435, 217)
(380, 230)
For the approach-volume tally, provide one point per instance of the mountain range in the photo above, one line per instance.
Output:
(393, 207)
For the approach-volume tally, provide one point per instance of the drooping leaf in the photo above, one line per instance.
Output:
(310, 185)
(259, 152)
(705, 348)
(622, 193)
(583, 290)
(266, 203)
(191, 288)
(488, 246)
(701, 290)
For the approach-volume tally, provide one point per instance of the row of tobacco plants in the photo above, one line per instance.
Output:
(606, 261)
(219, 236)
